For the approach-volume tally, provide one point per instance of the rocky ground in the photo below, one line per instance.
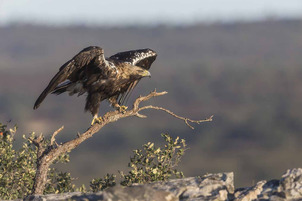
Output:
(208, 187)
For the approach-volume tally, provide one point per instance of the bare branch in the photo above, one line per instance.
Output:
(46, 156)
(186, 120)
(145, 98)
(52, 140)
(38, 142)
(140, 115)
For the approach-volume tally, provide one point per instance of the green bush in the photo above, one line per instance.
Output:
(17, 168)
(101, 184)
(148, 165)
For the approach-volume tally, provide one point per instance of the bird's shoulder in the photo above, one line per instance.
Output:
(87, 56)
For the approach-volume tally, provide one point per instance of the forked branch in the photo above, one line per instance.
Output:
(47, 155)
(186, 120)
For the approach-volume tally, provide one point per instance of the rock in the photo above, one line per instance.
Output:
(216, 187)
(209, 187)
(288, 188)
(117, 193)
(251, 193)
(134, 193)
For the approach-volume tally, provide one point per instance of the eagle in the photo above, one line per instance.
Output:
(112, 79)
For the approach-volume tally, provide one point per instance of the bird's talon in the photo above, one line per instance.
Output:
(96, 120)
(123, 108)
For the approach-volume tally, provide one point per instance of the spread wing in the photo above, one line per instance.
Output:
(142, 58)
(88, 57)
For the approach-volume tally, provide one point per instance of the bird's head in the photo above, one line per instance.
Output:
(142, 72)
(138, 72)
(145, 73)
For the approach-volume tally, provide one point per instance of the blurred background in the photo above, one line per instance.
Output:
(238, 61)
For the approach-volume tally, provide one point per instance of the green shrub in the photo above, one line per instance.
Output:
(101, 184)
(17, 168)
(148, 165)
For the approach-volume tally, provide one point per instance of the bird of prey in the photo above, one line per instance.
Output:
(101, 78)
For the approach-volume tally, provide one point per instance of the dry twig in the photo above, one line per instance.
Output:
(52, 139)
(46, 155)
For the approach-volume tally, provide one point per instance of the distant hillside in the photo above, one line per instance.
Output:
(248, 75)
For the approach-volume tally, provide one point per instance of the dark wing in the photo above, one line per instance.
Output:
(88, 56)
(142, 58)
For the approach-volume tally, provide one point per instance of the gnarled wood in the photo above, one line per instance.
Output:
(46, 156)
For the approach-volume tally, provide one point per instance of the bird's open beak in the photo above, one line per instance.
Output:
(146, 73)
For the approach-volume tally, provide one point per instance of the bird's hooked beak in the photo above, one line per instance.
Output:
(146, 73)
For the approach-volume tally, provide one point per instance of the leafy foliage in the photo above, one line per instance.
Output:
(149, 165)
(155, 164)
(101, 184)
(17, 168)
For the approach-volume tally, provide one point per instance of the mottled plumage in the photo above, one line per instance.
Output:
(101, 78)
(142, 58)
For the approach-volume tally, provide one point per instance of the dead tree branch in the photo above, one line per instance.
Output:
(52, 139)
(186, 120)
(47, 155)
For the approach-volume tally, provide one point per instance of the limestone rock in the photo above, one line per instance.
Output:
(216, 187)
(288, 188)
(208, 187)
(136, 193)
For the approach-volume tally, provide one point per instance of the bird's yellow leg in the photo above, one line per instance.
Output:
(120, 108)
(96, 119)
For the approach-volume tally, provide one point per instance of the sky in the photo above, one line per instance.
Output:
(144, 12)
